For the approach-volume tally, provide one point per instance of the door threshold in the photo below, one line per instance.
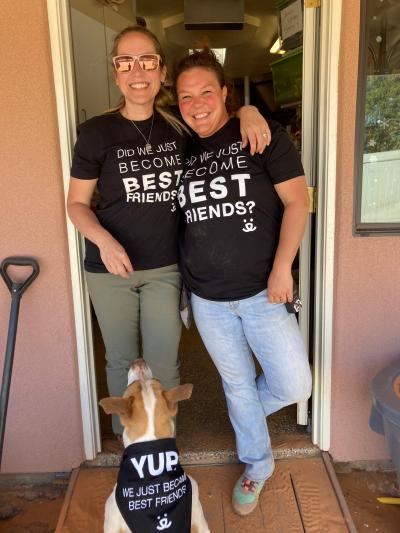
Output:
(285, 447)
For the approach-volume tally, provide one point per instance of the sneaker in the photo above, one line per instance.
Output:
(245, 495)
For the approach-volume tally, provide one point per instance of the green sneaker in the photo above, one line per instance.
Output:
(245, 495)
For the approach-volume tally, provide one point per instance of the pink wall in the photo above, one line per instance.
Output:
(43, 430)
(367, 286)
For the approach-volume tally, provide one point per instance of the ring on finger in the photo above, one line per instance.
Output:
(265, 134)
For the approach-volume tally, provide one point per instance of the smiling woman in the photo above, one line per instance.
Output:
(131, 238)
(244, 219)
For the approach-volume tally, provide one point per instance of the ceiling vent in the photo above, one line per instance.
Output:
(214, 14)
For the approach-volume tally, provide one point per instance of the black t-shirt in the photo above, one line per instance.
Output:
(137, 186)
(232, 213)
(153, 493)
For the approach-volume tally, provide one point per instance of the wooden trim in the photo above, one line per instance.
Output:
(67, 500)
(339, 493)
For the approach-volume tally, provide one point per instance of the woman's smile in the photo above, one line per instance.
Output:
(139, 85)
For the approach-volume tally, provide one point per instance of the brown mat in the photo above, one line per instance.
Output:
(298, 498)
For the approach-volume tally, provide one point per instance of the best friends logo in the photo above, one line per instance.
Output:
(225, 165)
(153, 495)
(158, 185)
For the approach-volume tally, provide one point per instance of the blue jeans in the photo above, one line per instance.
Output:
(231, 331)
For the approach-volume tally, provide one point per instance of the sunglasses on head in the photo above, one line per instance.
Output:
(126, 62)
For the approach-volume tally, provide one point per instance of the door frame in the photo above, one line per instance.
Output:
(62, 59)
(325, 168)
(326, 159)
(310, 84)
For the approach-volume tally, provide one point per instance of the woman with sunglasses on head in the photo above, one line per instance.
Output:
(134, 155)
(244, 218)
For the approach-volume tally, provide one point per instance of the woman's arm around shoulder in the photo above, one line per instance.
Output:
(254, 129)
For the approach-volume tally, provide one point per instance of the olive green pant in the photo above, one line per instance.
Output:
(139, 313)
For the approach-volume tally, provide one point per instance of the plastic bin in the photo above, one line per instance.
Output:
(287, 77)
(385, 413)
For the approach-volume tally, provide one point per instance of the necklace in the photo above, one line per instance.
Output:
(147, 141)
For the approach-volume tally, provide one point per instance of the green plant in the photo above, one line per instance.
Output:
(382, 113)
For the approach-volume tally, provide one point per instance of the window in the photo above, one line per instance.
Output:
(377, 198)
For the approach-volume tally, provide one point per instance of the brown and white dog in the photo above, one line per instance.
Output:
(146, 411)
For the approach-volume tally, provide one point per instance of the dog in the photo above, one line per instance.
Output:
(152, 493)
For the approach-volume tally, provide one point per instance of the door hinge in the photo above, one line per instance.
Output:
(396, 386)
(312, 3)
(312, 194)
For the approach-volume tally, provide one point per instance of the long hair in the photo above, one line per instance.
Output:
(163, 99)
(205, 58)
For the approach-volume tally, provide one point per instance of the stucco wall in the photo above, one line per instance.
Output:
(43, 430)
(367, 286)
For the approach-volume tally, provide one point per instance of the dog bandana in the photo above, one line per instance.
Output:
(153, 492)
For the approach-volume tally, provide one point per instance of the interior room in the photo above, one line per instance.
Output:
(260, 42)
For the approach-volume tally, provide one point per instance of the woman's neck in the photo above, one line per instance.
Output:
(141, 112)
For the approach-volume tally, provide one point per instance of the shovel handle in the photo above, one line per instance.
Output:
(16, 289)
(19, 287)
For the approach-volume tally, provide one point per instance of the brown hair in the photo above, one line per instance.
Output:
(164, 98)
(143, 31)
(206, 58)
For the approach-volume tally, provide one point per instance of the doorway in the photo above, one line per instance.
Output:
(62, 60)
(271, 80)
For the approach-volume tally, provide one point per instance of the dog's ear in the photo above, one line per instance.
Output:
(120, 406)
(181, 392)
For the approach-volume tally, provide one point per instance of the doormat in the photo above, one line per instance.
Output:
(302, 496)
